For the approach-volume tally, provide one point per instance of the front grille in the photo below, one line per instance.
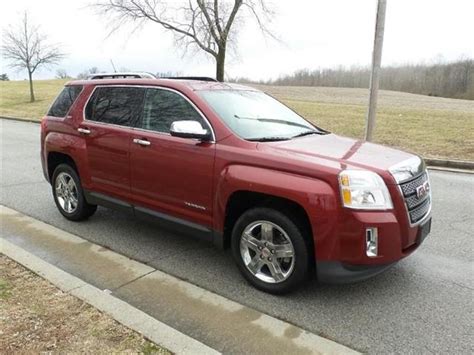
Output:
(409, 188)
(418, 208)
(420, 211)
(413, 201)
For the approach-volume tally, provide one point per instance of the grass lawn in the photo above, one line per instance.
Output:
(429, 126)
(15, 98)
(36, 317)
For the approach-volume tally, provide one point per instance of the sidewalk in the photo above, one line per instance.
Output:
(205, 317)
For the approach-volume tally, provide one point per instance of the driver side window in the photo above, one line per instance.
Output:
(163, 107)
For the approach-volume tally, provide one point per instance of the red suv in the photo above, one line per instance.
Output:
(231, 164)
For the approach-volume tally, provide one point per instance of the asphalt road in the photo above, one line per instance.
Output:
(424, 304)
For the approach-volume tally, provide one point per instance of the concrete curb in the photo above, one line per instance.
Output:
(121, 311)
(21, 119)
(451, 170)
(450, 165)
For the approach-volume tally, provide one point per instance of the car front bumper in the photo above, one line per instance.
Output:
(338, 273)
(354, 263)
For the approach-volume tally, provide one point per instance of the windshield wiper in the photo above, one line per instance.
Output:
(261, 119)
(307, 133)
(268, 139)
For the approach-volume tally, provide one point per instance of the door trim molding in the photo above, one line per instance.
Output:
(164, 220)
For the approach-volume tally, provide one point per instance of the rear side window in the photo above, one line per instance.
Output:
(64, 101)
(163, 107)
(116, 105)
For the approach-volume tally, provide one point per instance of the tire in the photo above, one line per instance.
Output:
(258, 262)
(68, 194)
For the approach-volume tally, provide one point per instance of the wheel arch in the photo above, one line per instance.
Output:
(313, 200)
(55, 158)
(243, 200)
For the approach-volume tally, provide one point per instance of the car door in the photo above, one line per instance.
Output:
(109, 116)
(170, 174)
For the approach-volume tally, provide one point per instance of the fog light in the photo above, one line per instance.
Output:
(371, 241)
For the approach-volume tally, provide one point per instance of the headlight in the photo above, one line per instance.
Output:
(361, 189)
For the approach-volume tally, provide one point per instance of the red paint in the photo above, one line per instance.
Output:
(173, 171)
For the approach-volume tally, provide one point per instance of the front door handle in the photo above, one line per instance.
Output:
(84, 130)
(142, 142)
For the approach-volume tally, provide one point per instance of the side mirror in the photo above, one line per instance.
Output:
(189, 129)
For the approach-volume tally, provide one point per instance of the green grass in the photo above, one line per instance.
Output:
(430, 133)
(4, 290)
(429, 126)
(15, 98)
(151, 349)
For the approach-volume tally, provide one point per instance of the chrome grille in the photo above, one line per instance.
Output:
(420, 211)
(417, 208)
(409, 188)
(412, 201)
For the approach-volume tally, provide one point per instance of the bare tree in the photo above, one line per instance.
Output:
(26, 48)
(208, 25)
(446, 79)
(62, 74)
(86, 73)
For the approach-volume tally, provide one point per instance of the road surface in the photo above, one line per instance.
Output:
(422, 305)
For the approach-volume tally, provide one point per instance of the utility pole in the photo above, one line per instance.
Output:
(376, 62)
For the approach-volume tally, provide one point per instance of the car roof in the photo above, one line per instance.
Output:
(195, 85)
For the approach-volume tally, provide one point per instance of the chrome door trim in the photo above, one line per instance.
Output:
(158, 87)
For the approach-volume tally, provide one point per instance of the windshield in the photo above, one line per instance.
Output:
(254, 115)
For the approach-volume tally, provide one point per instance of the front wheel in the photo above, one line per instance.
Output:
(270, 250)
(68, 194)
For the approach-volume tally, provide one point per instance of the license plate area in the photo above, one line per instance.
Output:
(423, 232)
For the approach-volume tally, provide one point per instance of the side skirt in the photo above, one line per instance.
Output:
(166, 221)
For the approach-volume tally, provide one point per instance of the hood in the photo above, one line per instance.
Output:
(341, 151)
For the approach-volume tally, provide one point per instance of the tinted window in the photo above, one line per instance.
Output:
(163, 107)
(116, 105)
(64, 101)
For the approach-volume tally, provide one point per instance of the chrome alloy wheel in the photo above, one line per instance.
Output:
(267, 251)
(66, 192)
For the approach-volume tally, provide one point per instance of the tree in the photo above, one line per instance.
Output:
(4, 77)
(62, 74)
(208, 25)
(86, 73)
(26, 48)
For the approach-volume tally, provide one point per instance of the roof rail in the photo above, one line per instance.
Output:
(125, 75)
(200, 78)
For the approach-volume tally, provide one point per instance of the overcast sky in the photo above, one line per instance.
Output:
(313, 33)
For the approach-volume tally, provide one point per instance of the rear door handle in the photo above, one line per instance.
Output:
(84, 130)
(143, 142)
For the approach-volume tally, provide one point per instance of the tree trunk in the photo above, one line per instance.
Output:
(32, 93)
(220, 64)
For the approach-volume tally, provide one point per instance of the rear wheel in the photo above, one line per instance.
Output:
(270, 250)
(68, 194)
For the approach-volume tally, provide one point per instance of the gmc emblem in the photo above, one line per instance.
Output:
(423, 189)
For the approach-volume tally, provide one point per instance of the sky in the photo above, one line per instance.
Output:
(312, 34)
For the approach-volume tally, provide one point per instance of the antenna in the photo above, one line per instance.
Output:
(113, 66)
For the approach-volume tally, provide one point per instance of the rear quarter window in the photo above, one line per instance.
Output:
(64, 101)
